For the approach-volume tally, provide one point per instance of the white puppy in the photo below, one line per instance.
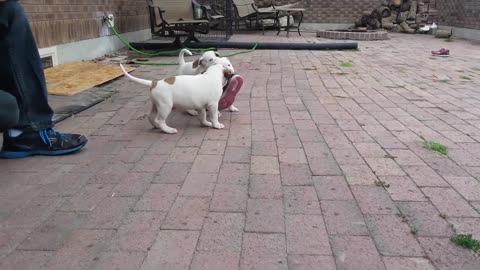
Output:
(201, 65)
(198, 66)
(186, 92)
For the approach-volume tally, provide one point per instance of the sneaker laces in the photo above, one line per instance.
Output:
(44, 135)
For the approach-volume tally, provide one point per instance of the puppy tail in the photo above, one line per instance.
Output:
(138, 80)
(181, 59)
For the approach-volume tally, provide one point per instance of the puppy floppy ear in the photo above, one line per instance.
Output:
(196, 63)
(202, 61)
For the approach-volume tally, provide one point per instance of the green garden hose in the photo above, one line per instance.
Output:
(165, 53)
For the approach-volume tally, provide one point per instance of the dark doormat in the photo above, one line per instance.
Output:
(67, 106)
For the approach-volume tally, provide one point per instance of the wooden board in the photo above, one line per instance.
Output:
(70, 79)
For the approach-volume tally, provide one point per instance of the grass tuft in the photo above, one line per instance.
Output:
(346, 64)
(466, 77)
(444, 81)
(476, 68)
(466, 241)
(433, 146)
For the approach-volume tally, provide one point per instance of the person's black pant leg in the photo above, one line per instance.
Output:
(8, 111)
(21, 72)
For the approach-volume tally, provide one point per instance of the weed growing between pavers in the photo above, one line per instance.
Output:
(444, 81)
(476, 68)
(433, 146)
(466, 77)
(346, 64)
(466, 241)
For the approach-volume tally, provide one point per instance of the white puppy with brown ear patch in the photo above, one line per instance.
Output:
(196, 67)
(200, 65)
(188, 93)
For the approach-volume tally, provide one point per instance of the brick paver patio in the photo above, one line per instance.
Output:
(322, 168)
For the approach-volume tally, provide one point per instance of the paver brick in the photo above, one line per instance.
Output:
(229, 198)
(10, 238)
(265, 187)
(172, 250)
(374, 200)
(133, 184)
(199, 184)
(402, 188)
(187, 213)
(138, 231)
(33, 213)
(292, 156)
(26, 260)
(172, 173)
(206, 164)
(263, 251)
(296, 174)
(118, 260)
(234, 174)
(81, 249)
(324, 166)
(466, 226)
(159, 197)
(359, 175)
(332, 188)
(67, 185)
(425, 176)
(265, 215)
(222, 232)
(449, 202)
(445, 255)
(426, 220)
(109, 213)
(54, 232)
(236, 154)
(216, 260)
(264, 149)
(384, 166)
(343, 218)
(356, 252)
(392, 236)
(301, 200)
(211, 147)
(150, 163)
(407, 263)
(183, 154)
(307, 262)
(468, 187)
(347, 157)
(370, 150)
(306, 234)
(264, 165)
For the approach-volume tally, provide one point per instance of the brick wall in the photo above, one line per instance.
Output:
(331, 11)
(62, 21)
(459, 13)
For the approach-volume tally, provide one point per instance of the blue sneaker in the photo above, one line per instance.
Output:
(47, 142)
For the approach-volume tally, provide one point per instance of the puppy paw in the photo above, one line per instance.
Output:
(170, 130)
(192, 112)
(207, 124)
(233, 109)
(219, 126)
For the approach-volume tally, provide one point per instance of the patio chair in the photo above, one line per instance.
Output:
(247, 11)
(174, 18)
(209, 12)
(274, 6)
